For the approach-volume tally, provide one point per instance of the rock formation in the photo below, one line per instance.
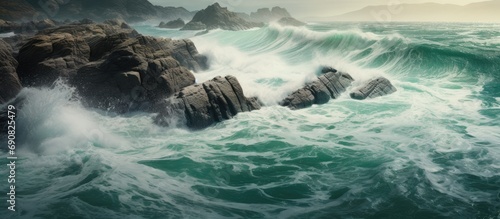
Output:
(269, 15)
(175, 24)
(215, 16)
(202, 105)
(374, 88)
(9, 80)
(110, 64)
(327, 86)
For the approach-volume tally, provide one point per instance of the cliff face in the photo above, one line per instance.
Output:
(215, 16)
(98, 10)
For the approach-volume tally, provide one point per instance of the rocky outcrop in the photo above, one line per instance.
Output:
(289, 21)
(269, 15)
(9, 80)
(202, 105)
(110, 64)
(61, 51)
(328, 86)
(215, 16)
(175, 24)
(374, 88)
(137, 72)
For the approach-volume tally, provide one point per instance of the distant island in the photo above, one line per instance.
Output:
(487, 11)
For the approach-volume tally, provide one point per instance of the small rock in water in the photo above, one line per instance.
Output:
(374, 88)
(327, 86)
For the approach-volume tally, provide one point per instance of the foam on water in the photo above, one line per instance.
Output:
(424, 150)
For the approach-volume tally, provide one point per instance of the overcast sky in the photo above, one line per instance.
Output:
(299, 8)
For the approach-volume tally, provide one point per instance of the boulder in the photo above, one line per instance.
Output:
(376, 87)
(47, 57)
(9, 80)
(205, 104)
(132, 73)
(110, 64)
(175, 24)
(328, 86)
(215, 16)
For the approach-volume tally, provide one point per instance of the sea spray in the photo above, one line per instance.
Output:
(429, 150)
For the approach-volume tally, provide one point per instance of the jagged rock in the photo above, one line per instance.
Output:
(327, 86)
(215, 16)
(269, 15)
(137, 71)
(202, 105)
(47, 57)
(374, 88)
(110, 64)
(9, 80)
(175, 24)
(326, 69)
(289, 21)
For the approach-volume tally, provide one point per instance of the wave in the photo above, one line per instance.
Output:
(391, 52)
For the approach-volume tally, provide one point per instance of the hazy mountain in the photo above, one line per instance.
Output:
(488, 11)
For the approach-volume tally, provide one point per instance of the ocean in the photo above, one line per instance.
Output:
(430, 150)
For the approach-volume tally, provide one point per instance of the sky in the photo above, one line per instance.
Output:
(299, 8)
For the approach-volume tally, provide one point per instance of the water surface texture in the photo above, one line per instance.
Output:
(430, 150)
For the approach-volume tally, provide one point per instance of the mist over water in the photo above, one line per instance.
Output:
(430, 150)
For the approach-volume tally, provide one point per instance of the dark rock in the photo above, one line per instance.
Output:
(374, 88)
(215, 16)
(133, 72)
(327, 86)
(327, 69)
(47, 57)
(202, 105)
(61, 51)
(9, 80)
(289, 21)
(175, 24)
(110, 64)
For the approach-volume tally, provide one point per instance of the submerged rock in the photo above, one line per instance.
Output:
(205, 104)
(374, 88)
(9, 80)
(327, 86)
(215, 16)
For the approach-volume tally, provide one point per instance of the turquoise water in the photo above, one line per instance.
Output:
(431, 150)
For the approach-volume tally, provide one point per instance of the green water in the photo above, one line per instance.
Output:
(431, 150)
